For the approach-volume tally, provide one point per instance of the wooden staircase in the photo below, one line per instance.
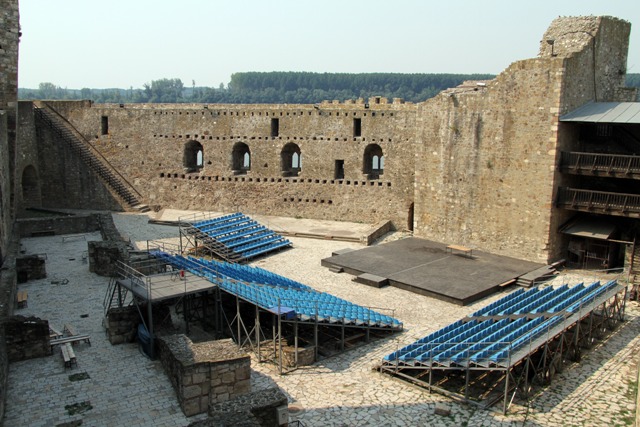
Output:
(90, 156)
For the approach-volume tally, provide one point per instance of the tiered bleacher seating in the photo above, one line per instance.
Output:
(495, 334)
(236, 237)
(273, 292)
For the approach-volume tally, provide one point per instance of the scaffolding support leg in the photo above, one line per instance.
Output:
(295, 340)
(258, 333)
(506, 392)
(315, 340)
(279, 341)
(238, 315)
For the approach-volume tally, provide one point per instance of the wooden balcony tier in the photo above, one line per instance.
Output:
(618, 204)
(598, 164)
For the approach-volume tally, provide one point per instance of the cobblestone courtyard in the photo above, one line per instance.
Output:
(124, 388)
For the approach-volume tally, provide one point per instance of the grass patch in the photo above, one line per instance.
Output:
(79, 376)
(78, 408)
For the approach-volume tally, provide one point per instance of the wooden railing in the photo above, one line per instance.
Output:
(600, 164)
(599, 201)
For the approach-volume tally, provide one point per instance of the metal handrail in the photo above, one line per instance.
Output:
(599, 199)
(602, 162)
(93, 151)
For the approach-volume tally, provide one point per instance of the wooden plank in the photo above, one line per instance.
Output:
(71, 353)
(73, 339)
(70, 330)
(466, 251)
(53, 333)
(65, 356)
(22, 299)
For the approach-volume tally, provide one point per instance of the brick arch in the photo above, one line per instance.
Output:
(240, 158)
(373, 161)
(193, 156)
(31, 193)
(291, 160)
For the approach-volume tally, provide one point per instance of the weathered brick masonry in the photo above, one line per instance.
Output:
(476, 165)
(148, 143)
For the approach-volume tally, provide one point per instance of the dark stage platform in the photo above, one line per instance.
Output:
(429, 268)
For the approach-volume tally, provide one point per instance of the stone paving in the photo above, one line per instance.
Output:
(125, 388)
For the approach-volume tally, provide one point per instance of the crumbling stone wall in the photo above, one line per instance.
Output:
(31, 267)
(122, 323)
(104, 255)
(258, 408)
(204, 374)
(26, 338)
(8, 280)
(74, 224)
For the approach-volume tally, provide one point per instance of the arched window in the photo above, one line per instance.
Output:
(240, 159)
(193, 156)
(31, 195)
(291, 160)
(373, 161)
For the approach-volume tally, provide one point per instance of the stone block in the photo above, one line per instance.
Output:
(220, 389)
(192, 407)
(242, 387)
(228, 378)
(191, 391)
(199, 378)
(243, 373)
(442, 409)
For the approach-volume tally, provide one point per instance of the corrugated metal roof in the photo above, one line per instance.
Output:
(605, 112)
(589, 227)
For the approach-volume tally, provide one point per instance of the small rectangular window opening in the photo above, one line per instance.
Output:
(339, 170)
(357, 127)
(275, 127)
(104, 125)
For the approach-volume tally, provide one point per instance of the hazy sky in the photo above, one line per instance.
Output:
(126, 43)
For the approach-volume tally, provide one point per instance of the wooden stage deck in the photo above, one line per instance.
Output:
(430, 268)
(166, 286)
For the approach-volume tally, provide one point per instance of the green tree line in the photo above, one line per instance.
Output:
(274, 88)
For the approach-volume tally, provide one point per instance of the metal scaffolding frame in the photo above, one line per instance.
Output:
(150, 281)
(254, 335)
(524, 368)
(141, 280)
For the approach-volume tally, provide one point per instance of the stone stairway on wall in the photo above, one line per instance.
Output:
(80, 146)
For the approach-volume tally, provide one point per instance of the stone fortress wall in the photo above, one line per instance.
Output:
(486, 170)
(475, 165)
(9, 38)
(149, 142)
